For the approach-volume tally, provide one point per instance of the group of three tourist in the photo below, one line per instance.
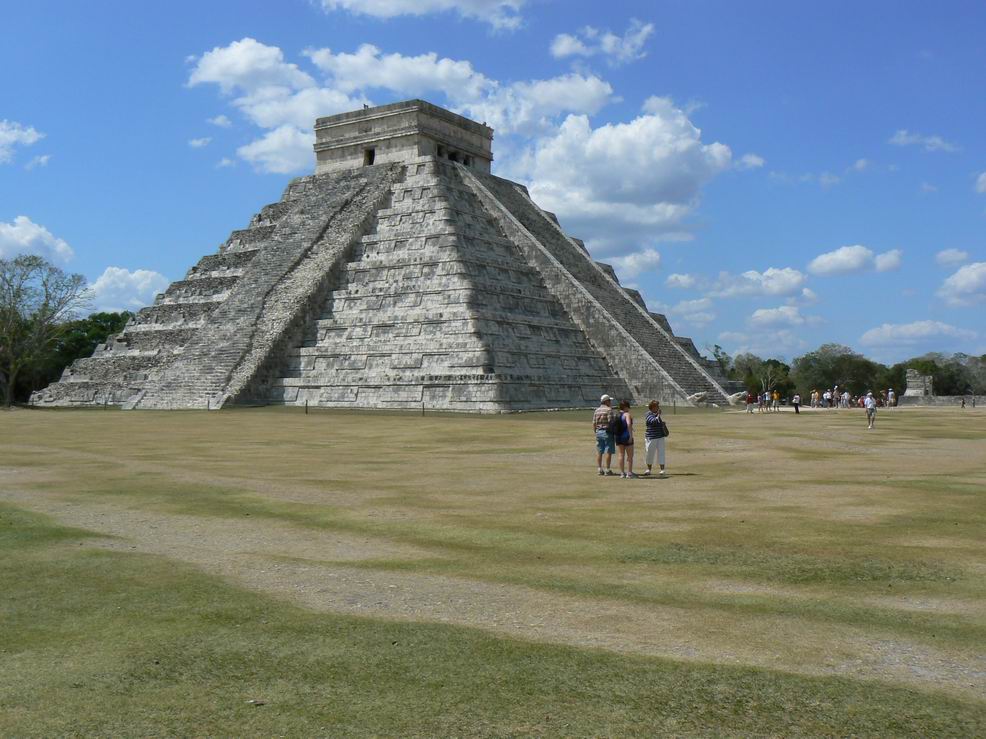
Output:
(614, 431)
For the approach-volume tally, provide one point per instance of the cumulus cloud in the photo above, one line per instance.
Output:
(851, 259)
(623, 182)
(683, 281)
(281, 151)
(119, 289)
(199, 143)
(860, 165)
(777, 342)
(24, 236)
(273, 93)
(500, 14)
(784, 315)
(951, 257)
(225, 162)
(981, 183)
(750, 161)
(966, 287)
(592, 41)
(888, 261)
(695, 312)
(903, 137)
(633, 264)
(772, 281)
(14, 134)
(220, 120)
(935, 333)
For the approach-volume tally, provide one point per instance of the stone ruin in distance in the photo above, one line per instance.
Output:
(401, 274)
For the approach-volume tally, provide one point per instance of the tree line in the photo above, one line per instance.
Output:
(835, 364)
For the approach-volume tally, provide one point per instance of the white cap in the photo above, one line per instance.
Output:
(604, 398)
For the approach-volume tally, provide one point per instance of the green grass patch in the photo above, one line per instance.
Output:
(104, 643)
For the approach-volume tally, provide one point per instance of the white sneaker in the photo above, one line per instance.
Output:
(601, 473)
(632, 475)
(609, 473)
(645, 473)
(662, 473)
(623, 475)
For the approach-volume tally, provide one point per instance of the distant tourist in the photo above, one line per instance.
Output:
(870, 405)
(796, 402)
(749, 402)
(624, 440)
(776, 401)
(602, 425)
(656, 433)
(891, 398)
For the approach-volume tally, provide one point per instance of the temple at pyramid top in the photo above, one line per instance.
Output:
(399, 133)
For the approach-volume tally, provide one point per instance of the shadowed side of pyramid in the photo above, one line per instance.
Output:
(402, 274)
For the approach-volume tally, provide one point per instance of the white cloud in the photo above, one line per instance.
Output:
(775, 342)
(281, 151)
(851, 259)
(827, 179)
(13, 134)
(500, 14)
(247, 65)
(950, 257)
(592, 41)
(772, 281)
(784, 315)
(199, 143)
(119, 289)
(860, 165)
(888, 261)
(39, 161)
(220, 120)
(273, 93)
(936, 333)
(750, 161)
(623, 182)
(633, 264)
(981, 183)
(903, 137)
(695, 312)
(928, 187)
(368, 67)
(966, 287)
(681, 281)
(24, 236)
(807, 297)
(225, 162)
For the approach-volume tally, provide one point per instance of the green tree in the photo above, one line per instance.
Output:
(76, 340)
(36, 298)
(834, 364)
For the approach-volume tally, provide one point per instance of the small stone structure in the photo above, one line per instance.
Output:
(920, 391)
(918, 385)
(402, 274)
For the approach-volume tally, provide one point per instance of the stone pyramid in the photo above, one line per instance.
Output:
(402, 274)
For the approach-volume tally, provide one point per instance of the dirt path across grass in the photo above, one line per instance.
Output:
(277, 559)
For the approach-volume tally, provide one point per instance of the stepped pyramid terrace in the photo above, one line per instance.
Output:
(401, 274)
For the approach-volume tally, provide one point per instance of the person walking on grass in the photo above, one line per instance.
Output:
(749, 402)
(796, 402)
(602, 426)
(870, 405)
(654, 437)
(624, 440)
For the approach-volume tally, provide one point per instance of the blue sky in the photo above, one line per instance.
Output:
(771, 175)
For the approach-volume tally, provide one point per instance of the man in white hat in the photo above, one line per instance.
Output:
(605, 441)
(870, 405)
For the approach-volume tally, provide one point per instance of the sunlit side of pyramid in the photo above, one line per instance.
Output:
(402, 274)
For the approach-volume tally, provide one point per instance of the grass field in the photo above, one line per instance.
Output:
(390, 574)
